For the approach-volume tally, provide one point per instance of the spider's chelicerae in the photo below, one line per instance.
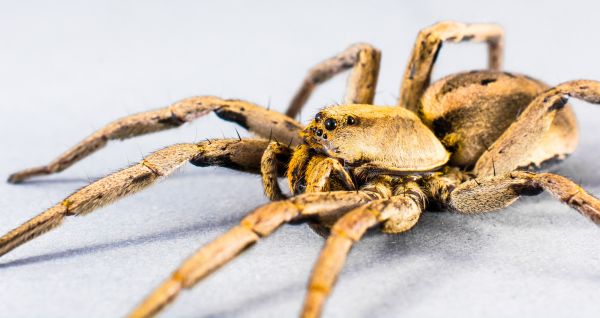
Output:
(468, 143)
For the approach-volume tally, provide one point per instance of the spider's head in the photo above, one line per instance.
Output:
(330, 126)
(366, 134)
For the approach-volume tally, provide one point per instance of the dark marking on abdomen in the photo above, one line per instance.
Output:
(441, 127)
(487, 81)
(465, 79)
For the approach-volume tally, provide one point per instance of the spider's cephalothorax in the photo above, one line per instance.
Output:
(391, 140)
(468, 143)
(367, 140)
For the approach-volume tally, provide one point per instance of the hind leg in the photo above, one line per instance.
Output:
(364, 60)
(426, 49)
(492, 193)
(538, 134)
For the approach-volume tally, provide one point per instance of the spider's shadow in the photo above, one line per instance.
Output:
(66, 180)
(395, 246)
(52, 181)
(166, 235)
(159, 236)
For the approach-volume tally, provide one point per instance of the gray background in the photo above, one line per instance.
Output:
(67, 68)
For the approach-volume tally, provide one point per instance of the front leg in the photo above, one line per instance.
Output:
(306, 172)
(402, 210)
(427, 46)
(254, 118)
(271, 168)
(328, 174)
(260, 223)
(235, 154)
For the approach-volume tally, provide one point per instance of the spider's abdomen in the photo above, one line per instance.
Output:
(469, 111)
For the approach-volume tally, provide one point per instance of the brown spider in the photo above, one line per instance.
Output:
(463, 143)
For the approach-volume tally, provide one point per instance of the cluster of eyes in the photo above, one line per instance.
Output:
(331, 124)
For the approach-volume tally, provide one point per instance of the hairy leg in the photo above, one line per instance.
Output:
(256, 119)
(260, 223)
(438, 186)
(270, 169)
(311, 172)
(364, 60)
(513, 149)
(235, 154)
(492, 193)
(403, 210)
(427, 46)
(321, 173)
(326, 174)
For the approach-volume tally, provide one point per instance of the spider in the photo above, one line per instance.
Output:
(470, 142)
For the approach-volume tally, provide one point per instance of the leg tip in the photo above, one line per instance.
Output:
(15, 178)
(159, 299)
(23, 175)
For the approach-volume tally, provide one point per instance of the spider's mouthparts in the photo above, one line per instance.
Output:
(318, 144)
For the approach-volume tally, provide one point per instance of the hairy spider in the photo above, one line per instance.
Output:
(468, 143)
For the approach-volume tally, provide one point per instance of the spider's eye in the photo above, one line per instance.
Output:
(318, 117)
(351, 120)
(330, 124)
(301, 186)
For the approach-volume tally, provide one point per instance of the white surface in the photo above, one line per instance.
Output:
(68, 68)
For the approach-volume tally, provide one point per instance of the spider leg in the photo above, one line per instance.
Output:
(270, 169)
(256, 119)
(511, 151)
(260, 223)
(427, 46)
(364, 60)
(235, 154)
(311, 172)
(319, 179)
(491, 193)
(320, 174)
(404, 210)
